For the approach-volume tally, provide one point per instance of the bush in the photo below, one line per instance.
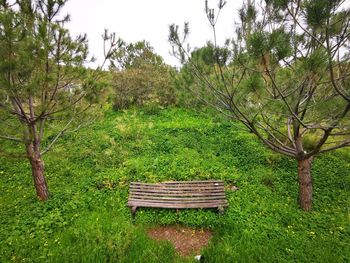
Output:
(143, 85)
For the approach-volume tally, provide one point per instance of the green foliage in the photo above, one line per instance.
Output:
(280, 44)
(43, 82)
(134, 55)
(209, 55)
(277, 4)
(317, 12)
(254, 83)
(185, 83)
(141, 77)
(316, 62)
(143, 85)
(87, 220)
(208, 59)
(290, 64)
(258, 44)
(310, 141)
(276, 43)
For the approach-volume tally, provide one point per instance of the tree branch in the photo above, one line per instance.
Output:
(344, 144)
(57, 137)
(11, 138)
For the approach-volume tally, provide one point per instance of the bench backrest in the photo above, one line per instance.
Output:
(183, 194)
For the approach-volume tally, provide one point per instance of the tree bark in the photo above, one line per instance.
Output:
(305, 184)
(38, 173)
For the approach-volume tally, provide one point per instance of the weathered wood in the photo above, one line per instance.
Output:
(171, 187)
(174, 185)
(176, 198)
(182, 188)
(177, 201)
(133, 210)
(178, 205)
(189, 194)
(177, 183)
(182, 182)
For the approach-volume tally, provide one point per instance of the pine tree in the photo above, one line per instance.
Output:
(42, 78)
(289, 79)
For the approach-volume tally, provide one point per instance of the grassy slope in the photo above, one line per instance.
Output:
(87, 220)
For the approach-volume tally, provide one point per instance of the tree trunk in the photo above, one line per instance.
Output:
(305, 184)
(38, 173)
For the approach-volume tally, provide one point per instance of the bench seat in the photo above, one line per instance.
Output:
(178, 194)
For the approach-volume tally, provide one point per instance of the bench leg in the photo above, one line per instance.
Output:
(221, 210)
(133, 211)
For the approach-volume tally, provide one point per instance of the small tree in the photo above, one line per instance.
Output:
(289, 79)
(205, 58)
(140, 76)
(42, 78)
(134, 55)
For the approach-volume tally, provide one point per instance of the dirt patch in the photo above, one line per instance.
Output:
(187, 241)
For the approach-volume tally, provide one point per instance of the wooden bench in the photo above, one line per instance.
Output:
(183, 194)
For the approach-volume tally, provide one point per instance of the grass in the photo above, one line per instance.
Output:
(86, 218)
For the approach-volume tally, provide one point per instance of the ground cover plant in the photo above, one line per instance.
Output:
(86, 218)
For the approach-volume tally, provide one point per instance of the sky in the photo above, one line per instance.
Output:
(136, 20)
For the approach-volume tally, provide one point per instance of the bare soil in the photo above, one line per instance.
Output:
(187, 241)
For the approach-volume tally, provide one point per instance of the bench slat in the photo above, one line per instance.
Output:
(177, 186)
(218, 202)
(182, 199)
(180, 182)
(222, 203)
(193, 194)
(190, 188)
(162, 205)
(184, 194)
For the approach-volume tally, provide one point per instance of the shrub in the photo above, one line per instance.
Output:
(143, 85)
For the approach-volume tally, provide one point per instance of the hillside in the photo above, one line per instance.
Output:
(88, 172)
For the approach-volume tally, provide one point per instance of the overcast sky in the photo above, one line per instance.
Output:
(135, 20)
